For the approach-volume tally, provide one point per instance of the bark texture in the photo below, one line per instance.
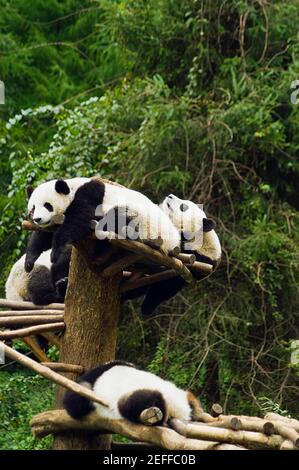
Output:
(91, 318)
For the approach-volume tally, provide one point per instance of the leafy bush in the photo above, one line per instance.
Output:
(22, 395)
(203, 110)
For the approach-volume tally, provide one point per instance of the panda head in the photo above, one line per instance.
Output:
(49, 201)
(186, 215)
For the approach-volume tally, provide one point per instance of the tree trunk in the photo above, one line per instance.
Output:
(91, 315)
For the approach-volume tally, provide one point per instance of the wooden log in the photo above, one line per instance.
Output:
(120, 265)
(30, 320)
(294, 423)
(57, 220)
(255, 440)
(287, 445)
(151, 254)
(51, 375)
(200, 267)
(287, 433)
(91, 317)
(60, 367)
(226, 422)
(173, 262)
(175, 251)
(32, 330)
(20, 305)
(33, 345)
(148, 280)
(58, 421)
(52, 422)
(216, 410)
(245, 424)
(190, 259)
(52, 339)
(151, 416)
(205, 418)
(228, 447)
(22, 313)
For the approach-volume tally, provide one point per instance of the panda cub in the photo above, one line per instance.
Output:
(197, 237)
(128, 391)
(197, 231)
(79, 199)
(43, 285)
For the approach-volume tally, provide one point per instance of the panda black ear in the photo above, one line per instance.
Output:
(29, 191)
(208, 225)
(61, 187)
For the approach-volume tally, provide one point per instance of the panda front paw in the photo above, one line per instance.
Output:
(61, 286)
(55, 254)
(29, 265)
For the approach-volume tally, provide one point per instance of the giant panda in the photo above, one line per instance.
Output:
(45, 284)
(197, 237)
(128, 391)
(198, 234)
(79, 199)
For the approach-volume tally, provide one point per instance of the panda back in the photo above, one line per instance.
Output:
(44, 259)
(121, 381)
(16, 286)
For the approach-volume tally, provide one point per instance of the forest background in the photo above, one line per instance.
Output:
(192, 97)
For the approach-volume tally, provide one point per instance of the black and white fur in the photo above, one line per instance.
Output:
(197, 237)
(128, 391)
(79, 199)
(45, 283)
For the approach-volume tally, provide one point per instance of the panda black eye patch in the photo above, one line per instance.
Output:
(183, 207)
(48, 206)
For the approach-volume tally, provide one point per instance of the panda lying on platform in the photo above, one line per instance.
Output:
(45, 284)
(129, 391)
(79, 199)
(197, 237)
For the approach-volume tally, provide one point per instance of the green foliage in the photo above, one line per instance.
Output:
(190, 104)
(22, 395)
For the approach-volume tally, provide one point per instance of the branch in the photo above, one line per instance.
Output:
(293, 423)
(30, 320)
(32, 330)
(51, 375)
(20, 305)
(151, 254)
(120, 265)
(52, 338)
(57, 421)
(255, 440)
(147, 280)
(21, 313)
(190, 259)
(175, 262)
(31, 342)
(62, 367)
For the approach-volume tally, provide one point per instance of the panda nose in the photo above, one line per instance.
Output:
(37, 220)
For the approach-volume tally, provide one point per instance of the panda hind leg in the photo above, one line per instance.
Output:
(160, 292)
(40, 287)
(144, 406)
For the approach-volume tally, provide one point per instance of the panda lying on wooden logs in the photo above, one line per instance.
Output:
(198, 237)
(79, 200)
(132, 394)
